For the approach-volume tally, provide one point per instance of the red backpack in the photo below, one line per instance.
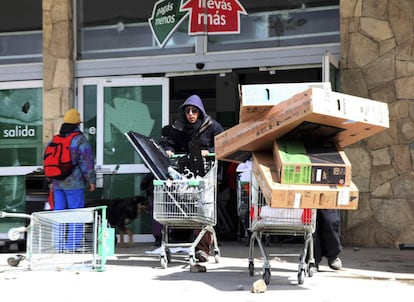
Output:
(57, 161)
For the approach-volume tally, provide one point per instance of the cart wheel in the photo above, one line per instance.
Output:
(301, 276)
(163, 262)
(251, 268)
(168, 254)
(311, 269)
(15, 261)
(216, 257)
(266, 276)
(192, 260)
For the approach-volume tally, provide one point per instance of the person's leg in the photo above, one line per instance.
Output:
(60, 202)
(157, 232)
(203, 247)
(328, 240)
(76, 200)
(59, 231)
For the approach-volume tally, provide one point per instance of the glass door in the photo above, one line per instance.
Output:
(111, 107)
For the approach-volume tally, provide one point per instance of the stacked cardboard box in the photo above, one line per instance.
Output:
(306, 162)
(258, 99)
(280, 195)
(290, 169)
(343, 118)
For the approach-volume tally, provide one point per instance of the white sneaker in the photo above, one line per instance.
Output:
(335, 264)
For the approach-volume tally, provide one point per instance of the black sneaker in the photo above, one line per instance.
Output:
(157, 241)
(201, 256)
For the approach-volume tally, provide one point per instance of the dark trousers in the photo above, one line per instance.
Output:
(327, 241)
(205, 242)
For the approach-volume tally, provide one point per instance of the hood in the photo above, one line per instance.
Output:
(194, 100)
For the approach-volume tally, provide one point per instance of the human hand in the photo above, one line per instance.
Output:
(204, 153)
(92, 187)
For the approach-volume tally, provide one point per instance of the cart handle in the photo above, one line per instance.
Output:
(13, 215)
(177, 155)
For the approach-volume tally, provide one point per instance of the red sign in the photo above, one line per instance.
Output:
(214, 16)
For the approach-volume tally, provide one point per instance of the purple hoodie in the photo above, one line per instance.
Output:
(195, 101)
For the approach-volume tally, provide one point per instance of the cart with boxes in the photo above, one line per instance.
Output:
(295, 135)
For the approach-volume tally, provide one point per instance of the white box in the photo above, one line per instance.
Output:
(257, 99)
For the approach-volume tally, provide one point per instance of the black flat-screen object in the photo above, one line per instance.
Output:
(153, 155)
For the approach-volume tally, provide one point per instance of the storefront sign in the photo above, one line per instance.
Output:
(206, 17)
(214, 16)
(166, 17)
(17, 131)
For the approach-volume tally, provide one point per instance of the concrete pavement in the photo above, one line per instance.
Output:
(133, 274)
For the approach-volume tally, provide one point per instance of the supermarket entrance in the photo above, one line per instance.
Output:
(220, 94)
(220, 91)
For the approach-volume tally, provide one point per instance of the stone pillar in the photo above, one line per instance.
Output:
(377, 62)
(58, 64)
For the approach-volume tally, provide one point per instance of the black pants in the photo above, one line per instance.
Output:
(327, 241)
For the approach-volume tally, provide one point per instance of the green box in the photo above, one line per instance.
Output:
(300, 162)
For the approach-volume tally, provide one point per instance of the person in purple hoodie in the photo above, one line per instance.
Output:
(195, 125)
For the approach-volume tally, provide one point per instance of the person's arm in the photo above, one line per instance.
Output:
(216, 129)
(87, 162)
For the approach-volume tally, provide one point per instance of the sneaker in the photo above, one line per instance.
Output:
(201, 256)
(335, 264)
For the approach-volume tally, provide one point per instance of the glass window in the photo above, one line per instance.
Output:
(20, 31)
(121, 29)
(281, 27)
(135, 108)
(21, 122)
(89, 113)
(21, 149)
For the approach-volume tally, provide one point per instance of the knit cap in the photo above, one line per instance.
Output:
(72, 116)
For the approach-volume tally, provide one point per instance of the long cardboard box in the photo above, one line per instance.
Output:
(342, 118)
(305, 162)
(257, 99)
(266, 177)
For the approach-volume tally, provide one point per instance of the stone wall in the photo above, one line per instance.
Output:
(57, 64)
(377, 62)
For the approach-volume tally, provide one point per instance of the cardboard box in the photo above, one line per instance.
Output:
(311, 162)
(265, 176)
(257, 99)
(342, 118)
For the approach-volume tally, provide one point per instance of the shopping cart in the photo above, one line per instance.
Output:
(188, 203)
(64, 240)
(280, 221)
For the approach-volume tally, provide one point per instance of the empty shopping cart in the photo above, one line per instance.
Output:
(63, 240)
(265, 220)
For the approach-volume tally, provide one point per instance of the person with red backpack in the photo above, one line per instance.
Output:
(69, 191)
